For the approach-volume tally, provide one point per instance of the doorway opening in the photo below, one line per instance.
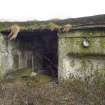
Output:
(44, 47)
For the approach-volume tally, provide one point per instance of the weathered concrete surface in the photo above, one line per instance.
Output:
(6, 60)
(83, 67)
(76, 61)
(13, 56)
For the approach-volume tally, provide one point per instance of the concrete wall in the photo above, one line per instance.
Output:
(15, 55)
(78, 61)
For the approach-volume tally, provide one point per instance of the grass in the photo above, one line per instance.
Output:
(20, 74)
(42, 90)
(25, 76)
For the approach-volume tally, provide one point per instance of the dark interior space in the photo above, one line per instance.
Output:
(44, 45)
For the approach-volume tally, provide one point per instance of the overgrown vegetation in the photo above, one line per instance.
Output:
(53, 24)
(25, 75)
(44, 90)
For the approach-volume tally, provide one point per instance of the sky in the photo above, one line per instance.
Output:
(24, 10)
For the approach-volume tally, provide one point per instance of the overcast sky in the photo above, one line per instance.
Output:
(23, 10)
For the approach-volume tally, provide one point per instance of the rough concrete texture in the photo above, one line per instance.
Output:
(12, 57)
(76, 61)
(6, 58)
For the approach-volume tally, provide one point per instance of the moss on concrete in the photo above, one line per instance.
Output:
(73, 42)
(89, 59)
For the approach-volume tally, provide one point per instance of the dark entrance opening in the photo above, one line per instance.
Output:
(44, 45)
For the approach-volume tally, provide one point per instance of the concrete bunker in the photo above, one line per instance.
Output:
(37, 45)
(34, 49)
